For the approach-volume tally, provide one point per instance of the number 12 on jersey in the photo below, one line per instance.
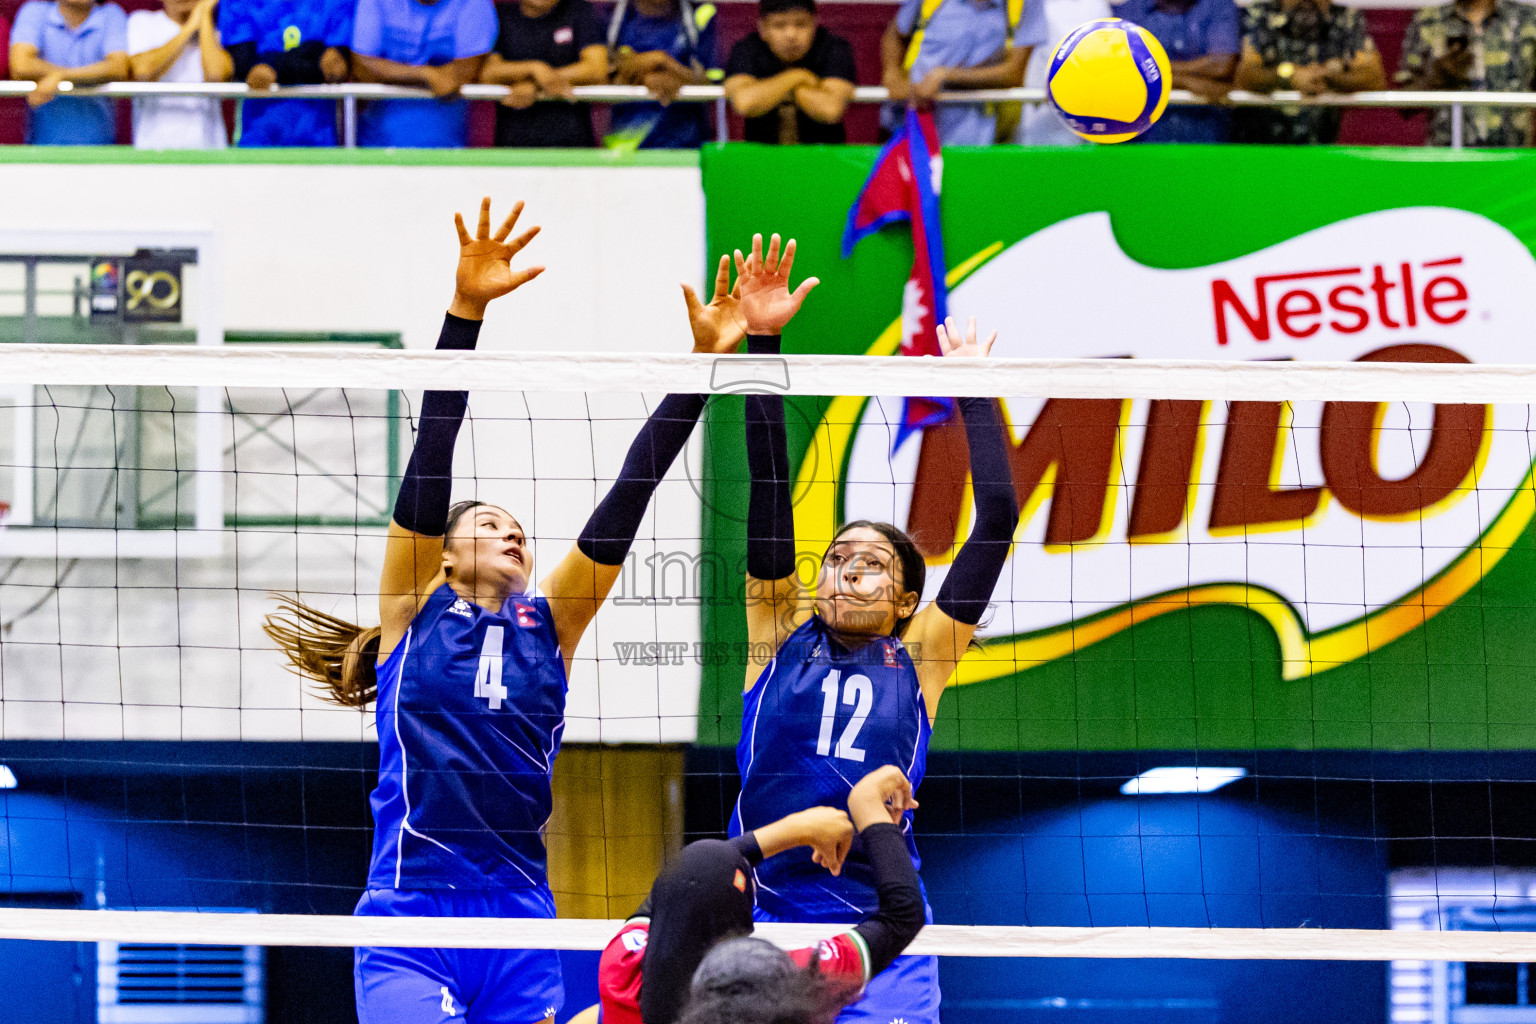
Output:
(857, 691)
(488, 682)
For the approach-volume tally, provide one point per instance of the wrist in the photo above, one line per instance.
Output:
(466, 308)
(767, 342)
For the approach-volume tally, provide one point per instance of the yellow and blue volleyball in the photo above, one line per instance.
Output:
(1109, 79)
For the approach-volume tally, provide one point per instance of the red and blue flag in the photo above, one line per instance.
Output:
(904, 186)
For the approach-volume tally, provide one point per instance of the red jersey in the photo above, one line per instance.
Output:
(618, 971)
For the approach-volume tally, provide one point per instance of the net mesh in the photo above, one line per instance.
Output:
(1254, 665)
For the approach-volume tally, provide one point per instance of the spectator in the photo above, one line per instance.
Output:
(1203, 39)
(160, 49)
(78, 41)
(791, 79)
(437, 44)
(1039, 123)
(287, 42)
(545, 47)
(662, 45)
(1312, 46)
(1474, 46)
(950, 45)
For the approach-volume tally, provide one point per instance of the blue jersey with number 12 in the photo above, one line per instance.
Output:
(471, 707)
(820, 718)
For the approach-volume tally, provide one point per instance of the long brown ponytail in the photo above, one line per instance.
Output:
(337, 654)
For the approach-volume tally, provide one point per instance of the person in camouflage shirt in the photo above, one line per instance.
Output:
(1474, 46)
(1312, 47)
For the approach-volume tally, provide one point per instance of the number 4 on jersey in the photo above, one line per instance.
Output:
(857, 691)
(488, 676)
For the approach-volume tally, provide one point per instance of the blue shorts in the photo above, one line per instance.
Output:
(907, 991)
(478, 986)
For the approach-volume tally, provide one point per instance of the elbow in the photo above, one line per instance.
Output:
(119, 67)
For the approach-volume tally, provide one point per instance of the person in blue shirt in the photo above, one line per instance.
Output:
(287, 42)
(1203, 39)
(438, 45)
(662, 45)
(846, 675)
(962, 44)
(467, 672)
(82, 42)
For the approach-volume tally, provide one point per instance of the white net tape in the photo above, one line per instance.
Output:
(609, 373)
(182, 928)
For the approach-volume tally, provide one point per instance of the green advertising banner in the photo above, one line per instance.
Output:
(1185, 575)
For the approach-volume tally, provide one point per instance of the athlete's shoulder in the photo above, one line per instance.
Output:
(618, 973)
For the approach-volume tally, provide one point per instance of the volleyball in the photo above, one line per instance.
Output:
(1109, 79)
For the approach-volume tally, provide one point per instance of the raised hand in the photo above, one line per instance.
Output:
(883, 795)
(718, 327)
(766, 301)
(829, 834)
(955, 347)
(485, 262)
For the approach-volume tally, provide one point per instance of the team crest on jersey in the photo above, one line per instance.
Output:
(461, 607)
(890, 654)
(634, 941)
(819, 653)
(526, 617)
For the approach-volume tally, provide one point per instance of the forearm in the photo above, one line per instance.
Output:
(425, 489)
(151, 64)
(387, 72)
(586, 72)
(900, 913)
(611, 529)
(893, 55)
(218, 65)
(760, 95)
(497, 71)
(1253, 76)
(973, 576)
(772, 839)
(1217, 66)
(770, 509)
(114, 68)
(1007, 73)
(32, 68)
(823, 102)
(1363, 76)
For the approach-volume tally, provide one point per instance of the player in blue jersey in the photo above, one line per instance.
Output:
(468, 674)
(847, 676)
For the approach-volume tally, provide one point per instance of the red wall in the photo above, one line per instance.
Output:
(862, 24)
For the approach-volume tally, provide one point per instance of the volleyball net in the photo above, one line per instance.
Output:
(1253, 685)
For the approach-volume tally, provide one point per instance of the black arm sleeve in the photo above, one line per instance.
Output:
(300, 65)
(245, 57)
(900, 914)
(422, 504)
(770, 510)
(968, 587)
(611, 529)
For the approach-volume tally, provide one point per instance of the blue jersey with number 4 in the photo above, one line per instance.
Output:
(471, 706)
(820, 718)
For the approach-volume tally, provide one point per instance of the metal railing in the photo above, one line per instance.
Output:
(348, 95)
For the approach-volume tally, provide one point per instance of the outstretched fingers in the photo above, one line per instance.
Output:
(522, 277)
(517, 244)
(804, 290)
(508, 224)
(722, 279)
(458, 222)
(692, 299)
(755, 261)
(986, 349)
(483, 231)
(788, 262)
(772, 263)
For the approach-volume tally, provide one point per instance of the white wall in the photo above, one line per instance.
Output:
(158, 649)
